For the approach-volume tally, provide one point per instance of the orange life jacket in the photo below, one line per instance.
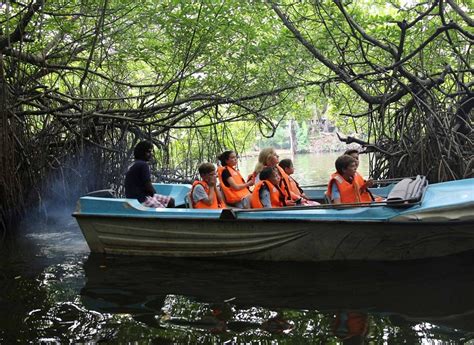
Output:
(216, 203)
(295, 187)
(277, 198)
(349, 192)
(285, 185)
(232, 196)
(364, 193)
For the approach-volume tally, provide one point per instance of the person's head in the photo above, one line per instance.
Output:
(346, 165)
(270, 174)
(143, 150)
(207, 171)
(267, 157)
(228, 158)
(353, 153)
(287, 166)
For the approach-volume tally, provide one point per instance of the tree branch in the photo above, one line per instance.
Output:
(19, 31)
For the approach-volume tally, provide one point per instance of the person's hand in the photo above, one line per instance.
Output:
(251, 177)
(212, 181)
(290, 203)
(251, 182)
(369, 183)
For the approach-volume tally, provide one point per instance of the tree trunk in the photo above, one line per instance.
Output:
(293, 138)
(10, 187)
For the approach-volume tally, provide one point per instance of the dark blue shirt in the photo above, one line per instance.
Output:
(136, 178)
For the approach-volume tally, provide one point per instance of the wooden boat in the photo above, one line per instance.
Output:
(416, 221)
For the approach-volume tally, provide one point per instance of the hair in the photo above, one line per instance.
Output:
(206, 168)
(342, 162)
(141, 148)
(263, 157)
(351, 151)
(266, 173)
(286, 163)
(224, 156)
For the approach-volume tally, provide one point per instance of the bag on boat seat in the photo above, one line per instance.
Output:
(408, 190)
(103, 193)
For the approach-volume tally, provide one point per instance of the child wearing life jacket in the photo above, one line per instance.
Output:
(267, 192)
(360, 179)
(287, 166)
(204, 193)
(269, 158)
(343, 186)
(236, 191)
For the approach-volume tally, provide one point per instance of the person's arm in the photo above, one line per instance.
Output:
(264, 195)
(235, 186)
(149, 189)
(336, 196)
(220, 196)
(145, 175)
(209, 199)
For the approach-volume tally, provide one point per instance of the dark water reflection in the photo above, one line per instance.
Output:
(52, 290)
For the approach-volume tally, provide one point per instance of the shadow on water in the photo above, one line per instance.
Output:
(437, 292)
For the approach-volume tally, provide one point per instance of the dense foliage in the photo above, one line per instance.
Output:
(82, 81)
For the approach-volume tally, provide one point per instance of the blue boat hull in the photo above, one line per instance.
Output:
(437, 226)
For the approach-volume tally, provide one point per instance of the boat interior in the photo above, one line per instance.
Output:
(401, 192)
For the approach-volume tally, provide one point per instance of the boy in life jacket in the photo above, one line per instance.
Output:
(204, 193)
(360, 180)
(267, 192)
(343, 187)
(236, 191)
(287, 166)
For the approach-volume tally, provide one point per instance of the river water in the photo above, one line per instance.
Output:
(310, 168)
(52, 290)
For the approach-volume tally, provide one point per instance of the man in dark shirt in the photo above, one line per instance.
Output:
(138, 179)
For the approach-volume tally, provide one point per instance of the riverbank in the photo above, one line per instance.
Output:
(324, 142)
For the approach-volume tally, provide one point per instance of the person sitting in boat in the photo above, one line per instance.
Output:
(204, 193)
(360, 180)
(267, 192)
(343, 187)
(138, 179)
(287, 166)
(269, 158)
(236, 191)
